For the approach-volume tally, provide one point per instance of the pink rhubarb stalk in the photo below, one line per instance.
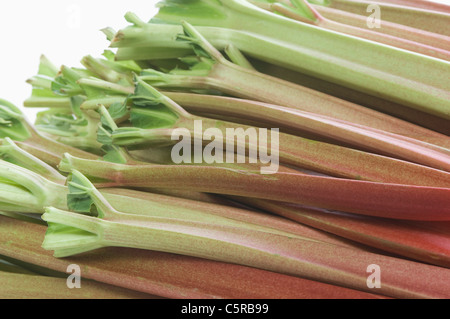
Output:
(166, 275)
(389, 28)
(362, 137)
(291, 150)
(419, 18)
(408, 239)
(315, 18)
(360, 197)
(291, 256)
(421, 4)
(18, 286)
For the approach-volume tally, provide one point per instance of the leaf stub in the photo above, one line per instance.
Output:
(79, 198)
(13, 123)
(70, 234)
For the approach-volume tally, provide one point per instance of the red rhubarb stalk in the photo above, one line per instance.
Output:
(104, 226)
(408, 239)
(367, 198)
(167, 275)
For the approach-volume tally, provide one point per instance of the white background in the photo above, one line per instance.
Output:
(64, 31)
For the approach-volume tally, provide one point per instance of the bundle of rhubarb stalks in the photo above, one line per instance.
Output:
(128, 174)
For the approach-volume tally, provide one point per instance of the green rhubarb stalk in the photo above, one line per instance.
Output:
(134, 40)
(21, 286)
(360, 197)
(101, 86)
(45, 156)
(196, 210)
(166, 275)
(151, 53)
(124, 68)
(46, 67)
(109, 33)
(155, 119)
(13, 123)
(115, 74)
(79, 133)
(38, 174)
(387, 27)
(103, 71)
(15, 126)
(407, 239)
(83, 195)
(217, 73)
(73, 125)
(302, 11)
(53, 161)
(91, 96)
(426, 125)
(299, 122)
(52, 90)
(236, 56)
(11, 152)
(378, 66)
(92, 104)
(230, 109)
(162, 155)
(26, 191)
(428, 20)
(52, 102)
(296, 257)
(42, 94)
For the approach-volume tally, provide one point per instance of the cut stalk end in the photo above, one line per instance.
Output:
(70, 234)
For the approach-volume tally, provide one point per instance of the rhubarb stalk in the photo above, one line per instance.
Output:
(166, 275)
(215, 72)
(408, 239)
(300, 257)
(33, 201)
(308, 14)
(421, 18)
(299, 122)
(369, 66)
(387, 27)
(16, 127)
(367, 198)
(17, 286)
(157, 127)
